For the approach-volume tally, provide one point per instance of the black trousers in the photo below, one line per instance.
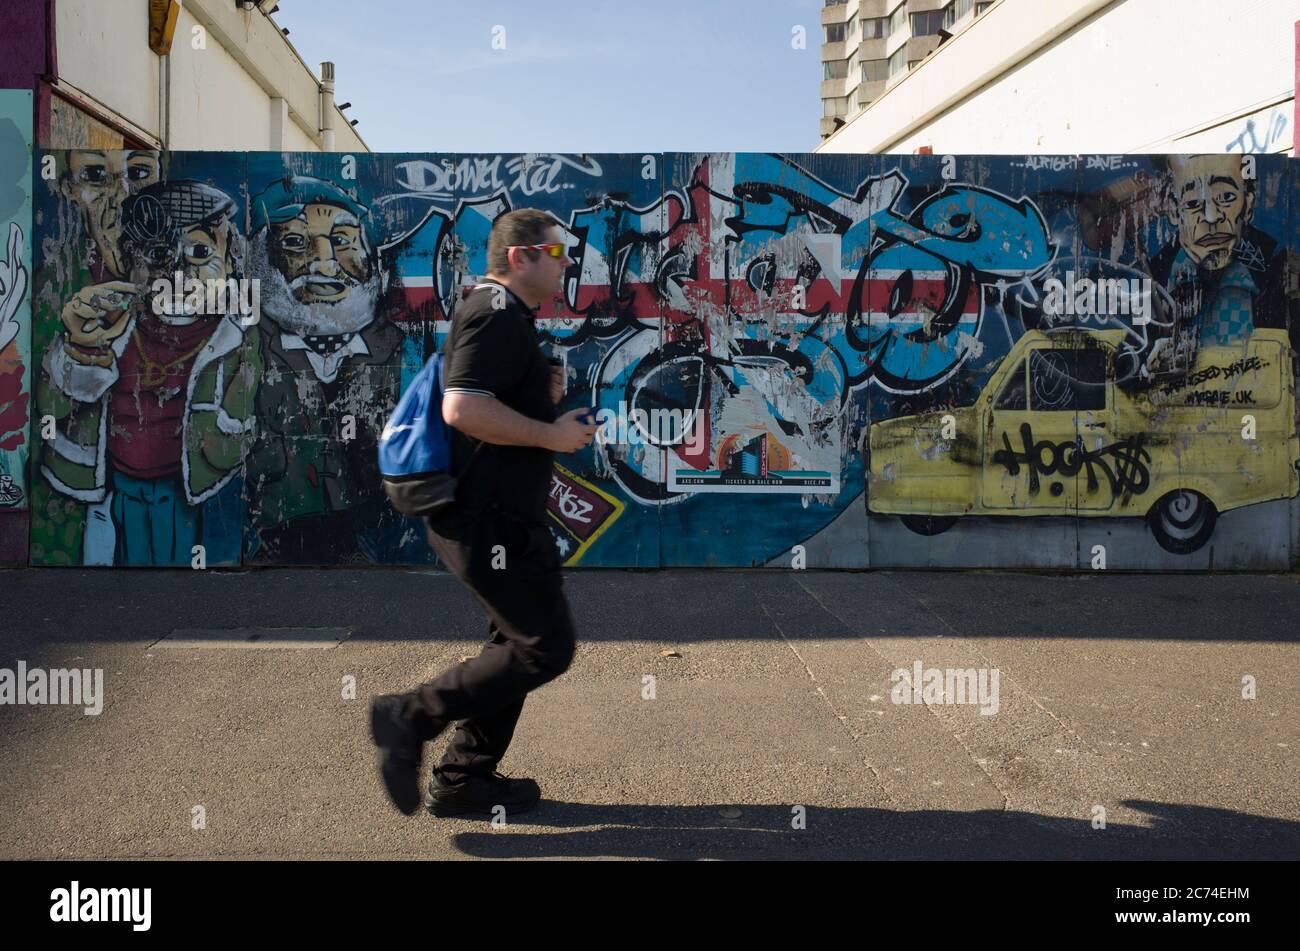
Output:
(511, 567)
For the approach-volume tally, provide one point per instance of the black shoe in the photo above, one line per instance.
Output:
(480, 794)
(400, 749)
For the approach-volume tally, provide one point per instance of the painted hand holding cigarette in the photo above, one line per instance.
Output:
(98, 314)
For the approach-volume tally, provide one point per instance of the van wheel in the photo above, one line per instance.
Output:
(929, 524)
(1182, 521)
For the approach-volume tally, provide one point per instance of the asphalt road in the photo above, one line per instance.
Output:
(772, 735)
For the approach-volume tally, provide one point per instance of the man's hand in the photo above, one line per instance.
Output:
(569, 434)
(557, 384)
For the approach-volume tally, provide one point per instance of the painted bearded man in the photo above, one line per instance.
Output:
(153, 397)
(333, 375)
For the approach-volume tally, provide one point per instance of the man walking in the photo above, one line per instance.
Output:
(500, 395)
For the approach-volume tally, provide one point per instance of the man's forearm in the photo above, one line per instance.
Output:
(490, 420)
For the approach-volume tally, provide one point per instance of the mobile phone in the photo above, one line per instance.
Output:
(589, 416)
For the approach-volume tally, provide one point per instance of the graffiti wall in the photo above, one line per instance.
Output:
(15, 320)
(819, 360)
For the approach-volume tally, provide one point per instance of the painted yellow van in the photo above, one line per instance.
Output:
(1054, 433)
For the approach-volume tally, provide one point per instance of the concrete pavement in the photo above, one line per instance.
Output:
(1116, 692)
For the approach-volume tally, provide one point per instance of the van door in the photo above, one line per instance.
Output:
(1093, 398)
(1051, 450)
(1029, 439)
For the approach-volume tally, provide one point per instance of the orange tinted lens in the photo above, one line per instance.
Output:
(555, 250)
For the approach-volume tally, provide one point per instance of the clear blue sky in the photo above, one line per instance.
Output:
(575, 76)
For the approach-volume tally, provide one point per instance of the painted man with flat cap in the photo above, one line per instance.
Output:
(154, 404)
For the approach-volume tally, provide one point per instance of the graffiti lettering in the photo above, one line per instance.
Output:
(1129, 473)
(569, 504)
(1249, 142)
(1051, 163)
(1214, 372)
(919, 298)
(1110, 163)
(531, 175)
(1220, 398)
(534, 175)
(442, 179)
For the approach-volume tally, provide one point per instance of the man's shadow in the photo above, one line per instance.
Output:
(742, 831)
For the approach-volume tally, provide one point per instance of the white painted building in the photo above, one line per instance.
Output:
(231, 81)
(1102, 76)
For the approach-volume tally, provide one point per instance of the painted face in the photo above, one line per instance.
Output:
(321, 253)
(98, 183)
(1211, 206)
(202, 253)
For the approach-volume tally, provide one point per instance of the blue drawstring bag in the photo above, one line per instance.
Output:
(415, 448)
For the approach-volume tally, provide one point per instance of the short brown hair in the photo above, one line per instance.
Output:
(525, 226)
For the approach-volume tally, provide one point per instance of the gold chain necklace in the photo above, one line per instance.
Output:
(152, 373)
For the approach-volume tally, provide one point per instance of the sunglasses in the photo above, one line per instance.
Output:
(554, 250)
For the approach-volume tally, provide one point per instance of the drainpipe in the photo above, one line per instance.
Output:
(327, 106)
(165, 90)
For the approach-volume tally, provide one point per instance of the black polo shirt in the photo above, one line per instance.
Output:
(493, 349)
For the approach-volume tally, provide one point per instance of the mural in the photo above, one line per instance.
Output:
(887, 360)
(335, 348)
(15, 320)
